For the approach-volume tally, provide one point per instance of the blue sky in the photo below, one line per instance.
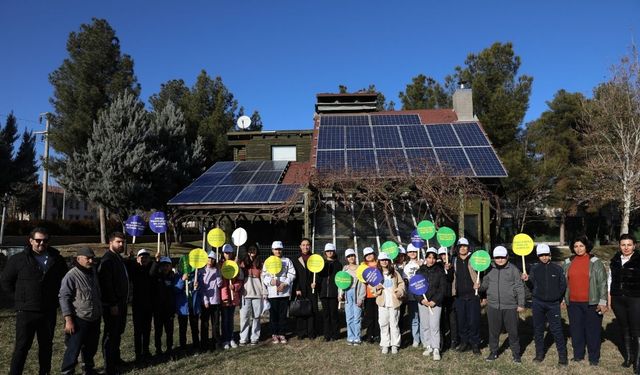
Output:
(276, 55)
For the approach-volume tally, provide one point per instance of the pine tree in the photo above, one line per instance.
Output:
(424, 93)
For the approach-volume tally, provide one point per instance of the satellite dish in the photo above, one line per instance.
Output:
(244, 122)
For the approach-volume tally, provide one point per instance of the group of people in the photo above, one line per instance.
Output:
(447, 316)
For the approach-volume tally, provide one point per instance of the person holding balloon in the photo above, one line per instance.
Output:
(410, 269)
(253, 294)
(467, 301)
(229, 295)
(328, 293)
(390, 293)
(278, 276)
(430, 303)
(370, 316)
(353, 294)
(212, 282)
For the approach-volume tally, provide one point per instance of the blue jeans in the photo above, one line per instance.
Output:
(414, 315)
(227, 323)
(353, 313)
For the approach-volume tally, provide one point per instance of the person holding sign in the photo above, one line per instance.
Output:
(548, 283)
(229, 295)
(586, 299)
(253, 294)
(467, 302)
(410, 269)
(188, 303)
(353, 295)
(370, 318)
(304, 286)
(390, 293)
(448, 318)
(328, 293)
(430, 305)
(505, 296)
(278, 277)
(211, 284)
(163, 303)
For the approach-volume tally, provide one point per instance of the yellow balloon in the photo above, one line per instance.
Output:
(197, 258)
(273, 265)
(230, 269)
(360, 270)
(216, 237)
(315, 263)
(522, 244)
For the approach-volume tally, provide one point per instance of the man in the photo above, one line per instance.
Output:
(548, 285)
(141, 306)
(467, 303)
(304, 285)
(81, 307)
(33, 277)
(114, 285)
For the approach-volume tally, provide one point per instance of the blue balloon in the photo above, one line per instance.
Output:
(134, 225)
(157, 222)
(418, 285)
(372, 276)
(416, 240)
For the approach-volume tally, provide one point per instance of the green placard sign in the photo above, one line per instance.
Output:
(391, 249)
(184, 266)
(426, 230)
(343, 280)
(446, 236)
(480, 260)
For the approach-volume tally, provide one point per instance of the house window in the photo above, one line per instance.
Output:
(283, 153)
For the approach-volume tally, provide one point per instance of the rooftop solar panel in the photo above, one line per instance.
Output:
(222, 194)
(265, 178)
(283, 193)
(395, 119)
(387, 137)
(255, 194)
(191, 195)
(454, 161)
(222, 166)
(470, 134)
(415, 136)
(245, 166)
(361, 160)
(209, 179)
(392, 161)
(485, 162)
(331, 138)
(274, 165)
(421, 159)
(442, 135)
(330, 160)
(359, 137)
(344, 120)
(236, 178)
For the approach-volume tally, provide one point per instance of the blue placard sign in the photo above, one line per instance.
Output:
(418, 285)
(416, 240)
(372, 276)
(157, 222)
(134, 225)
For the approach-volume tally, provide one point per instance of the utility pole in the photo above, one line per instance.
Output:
(45, 171)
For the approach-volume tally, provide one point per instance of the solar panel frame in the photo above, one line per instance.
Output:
(442, 135)
(387, 137)
(359, 137)
(485, 162)
(470, 134)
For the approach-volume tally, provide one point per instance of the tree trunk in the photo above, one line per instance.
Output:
(563, 219)
(626, 210)
(103, 224)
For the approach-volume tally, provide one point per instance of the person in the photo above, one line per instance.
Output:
(304, 288)
(448, 318)
(354, 298)
(467, 302)
(254, 293)
(81, 306)
(32, 277)
(389, 296)
(624, 288)
(410, 269)
(211, 284)
(430, 304)
(114, 285)
(163, 303)
(370, 318)
(230, 296)
(142, 313)
(188, 293)
(548, 284)
(585, 299)
(328, 293)
(279, 292)
(505, 297)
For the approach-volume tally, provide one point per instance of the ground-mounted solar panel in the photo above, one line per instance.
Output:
(284, 193)
(415, 136)
(485, 162)
(248, 166)
(255, 194)
(442, 135)
(395, 119)
(391, 162)
(222, 167)
(387, 137)
(222, 194)
(332, 160)
(359, 137)
(361, 161)
(331, 138)
(209, 179)
(236, 178)
(191, 195)
(344, 120)
(274, 165)
(470, 134)
(421, 160)
(265, 178)
(454, 161)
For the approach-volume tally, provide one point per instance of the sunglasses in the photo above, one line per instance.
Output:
(41, 240)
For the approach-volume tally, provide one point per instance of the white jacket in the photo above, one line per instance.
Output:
(286, 275)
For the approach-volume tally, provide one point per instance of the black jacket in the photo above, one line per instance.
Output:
(142, 282)
(625, 280)
(163, 292)
(33, 289)
(303, 280)
(114, 280)
(437, 283)
(547, 282)
(325, 283)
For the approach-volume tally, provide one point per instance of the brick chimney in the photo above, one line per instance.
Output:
(463, 103)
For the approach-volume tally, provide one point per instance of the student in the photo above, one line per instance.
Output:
(370, 318)
(548, 284)
(163, 303)
(354, 299)
(188, 292)
(211, 284)
(410, 269)
(142, 313)
(279, 292)
(230, 297)
(328, 293)
(505, 296)
(448, 318)
(306, 326)
(430, 307)
(389, 297)
(467, 303)
(253, 294)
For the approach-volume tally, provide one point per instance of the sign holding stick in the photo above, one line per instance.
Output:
(239, 237)
(522, 245)
(216, 238)
(480, 260)
(446, 237)
(315, 264)
(229, 271)
(419, 285)
(158, 224)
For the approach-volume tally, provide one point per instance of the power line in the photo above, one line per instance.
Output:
(21, 119)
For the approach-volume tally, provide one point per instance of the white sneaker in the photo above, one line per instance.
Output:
(416, 344)
(226, 346)
(385, 349)
(394, 350)
(436, 355)
(233, 344)
(427, 350)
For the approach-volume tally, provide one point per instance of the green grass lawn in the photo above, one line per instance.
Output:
(318, 357)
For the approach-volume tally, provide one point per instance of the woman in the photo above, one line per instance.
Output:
(212, 281)
(410, 269)
(230, 297)
(389, 298)
(624, 289)
(328, 293)
(253, 294)
(279, 291)
(354, 298)
(370, 318)
(188, 298)
(586, 299)
(304, 288)
(430, 307)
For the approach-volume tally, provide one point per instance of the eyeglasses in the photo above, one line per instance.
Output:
(41, 240)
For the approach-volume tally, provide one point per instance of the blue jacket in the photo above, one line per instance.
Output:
(193, 297)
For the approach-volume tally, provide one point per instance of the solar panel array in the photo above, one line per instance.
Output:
(238, 182)
(388, 144)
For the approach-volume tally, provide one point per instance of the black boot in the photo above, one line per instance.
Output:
(637, 365)
(626, 351)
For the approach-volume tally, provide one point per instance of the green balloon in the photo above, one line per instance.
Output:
(391, 249)
(446, 236)
(343, 280)
(480, 260)
(184, 265)
(426, 230)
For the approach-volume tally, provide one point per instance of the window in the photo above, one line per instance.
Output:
(283, 153)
